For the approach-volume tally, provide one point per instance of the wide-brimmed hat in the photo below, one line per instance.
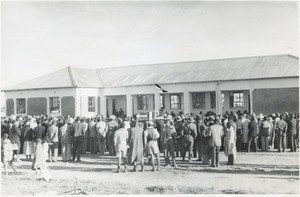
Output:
(190, 119)
(113, 117)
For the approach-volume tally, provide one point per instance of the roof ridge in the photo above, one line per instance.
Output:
(207, 60)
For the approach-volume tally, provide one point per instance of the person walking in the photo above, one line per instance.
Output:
(120, 143)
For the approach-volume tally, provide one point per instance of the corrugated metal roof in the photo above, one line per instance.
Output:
(276, 66)
(202, 71)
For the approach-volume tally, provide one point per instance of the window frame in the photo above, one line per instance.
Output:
(18, 104)
(92, 107)
(237, 99)
(51, 104)
(177, 105)
(198, 97)
(143, 102)
(213, 100)
(162, 101)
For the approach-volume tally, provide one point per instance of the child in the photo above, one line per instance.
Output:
(7, 153)
(39, 162)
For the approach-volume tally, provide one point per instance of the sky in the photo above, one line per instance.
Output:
(42, 37)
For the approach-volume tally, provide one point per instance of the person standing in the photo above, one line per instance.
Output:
(85, 136)
(52, 133)
(239, 133)
(14, 136)
(230, 143)
(136, 146)
(120, 143)
(152, 135)
(245, 132)
(179, 131)
(65, 139)
(190, 132)
(281, 130)
(101, 135)
(292, 133)
(253, 133)
(92, 136)
(265, 132)
(79, 128)
(168, 136)
(112, 126)
(216, 133)
(28, 143)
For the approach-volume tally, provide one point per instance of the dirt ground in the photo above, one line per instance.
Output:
(254, 173)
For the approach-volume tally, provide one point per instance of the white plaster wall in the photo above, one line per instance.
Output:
(82, 101)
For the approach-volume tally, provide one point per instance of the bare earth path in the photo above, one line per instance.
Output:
(260, 172)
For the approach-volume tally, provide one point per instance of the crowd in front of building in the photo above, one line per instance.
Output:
(201, 136)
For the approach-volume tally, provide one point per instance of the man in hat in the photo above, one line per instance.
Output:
(179, 131)
(281, 130)
(215, 132)
(190, 133)
(152, 135)
(92, 136)
(52, 133)
(14, 136)
(65, 138)
(292, 133)
(136, 146)
(85, 135)
(168, 137)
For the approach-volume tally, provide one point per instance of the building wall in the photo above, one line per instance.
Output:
(38, 95)
(268, 101)
(150, 104)
(37, 106)
(81, 101)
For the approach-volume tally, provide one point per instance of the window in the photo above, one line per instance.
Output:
(199, 100)
(162, 101)
(91, 104)
(236, 99)
(54, 104)
(176, 101)
(21, 106)
(213, 100)
(223, 100)
(142, 102)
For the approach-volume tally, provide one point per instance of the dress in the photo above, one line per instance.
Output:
(136, 144)
(7, 151)
(39, 159)
(229, 142)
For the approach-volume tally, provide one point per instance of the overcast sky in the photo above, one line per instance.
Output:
(42, 37)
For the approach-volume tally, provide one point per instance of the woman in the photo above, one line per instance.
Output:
(229, 143)
(15, 135)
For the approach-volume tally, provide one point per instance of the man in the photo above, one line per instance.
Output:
(281, 130)
(197, 142)
(65, 139)
(92, 136)
(85, 135)
(168, 136)
(216, 133)
(112, 126)
(52, 133)
(253, 132)
(136, 146)
(152, 135)
(120, 143)
(190, 132)
(292, 133)
(265, 132)
(79, 128)
(179, 131)
(101, 128)
(14, 136)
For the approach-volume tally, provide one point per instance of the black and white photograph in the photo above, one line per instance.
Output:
(149, 97)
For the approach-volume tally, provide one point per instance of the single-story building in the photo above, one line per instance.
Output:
(263, 84)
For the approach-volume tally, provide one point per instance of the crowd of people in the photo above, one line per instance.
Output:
(43, 138)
